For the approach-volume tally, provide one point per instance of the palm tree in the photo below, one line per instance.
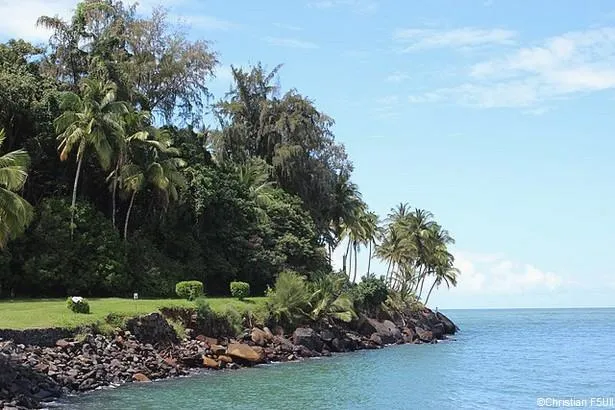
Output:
(15, 212)
(446, 273)
(92, 121)
(254, 175)
(154, 162)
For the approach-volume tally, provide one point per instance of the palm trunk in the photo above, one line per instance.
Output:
(132, 200)
(74, 201)
(354, 277)
(429, 294)
(114, 194)
(346, 255)
(369, 260)
(349, 264)
(422, 283)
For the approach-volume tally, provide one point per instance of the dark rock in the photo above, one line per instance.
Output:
(387, 330)
(424, 335)
(376, 339)
(283, 343)
(449, 327)
(307, 337)
(152, 329)
(327, 335)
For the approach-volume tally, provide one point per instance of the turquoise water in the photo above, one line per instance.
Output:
(502, 359)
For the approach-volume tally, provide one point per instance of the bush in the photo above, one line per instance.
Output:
(370, 293)
(191, 289)
(78, 304)
(289, 299)
(240, 290)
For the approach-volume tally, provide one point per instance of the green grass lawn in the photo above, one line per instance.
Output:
(42, 313)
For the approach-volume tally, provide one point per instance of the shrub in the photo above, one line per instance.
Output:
(240, 290)
(370, 293)
(289, 299)
(78, 304)
(191, 289)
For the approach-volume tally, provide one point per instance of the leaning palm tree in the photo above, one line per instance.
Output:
(254, 175)
(91, 121)
(446, 273)
(15, 212)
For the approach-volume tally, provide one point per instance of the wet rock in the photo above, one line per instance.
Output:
(140, 378)
(210, 363)
(374, 338)
(449, 327)
(225, 359)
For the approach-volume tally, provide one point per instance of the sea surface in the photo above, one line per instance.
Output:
(501, 359)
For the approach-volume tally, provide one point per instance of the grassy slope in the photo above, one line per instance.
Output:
(41, 313)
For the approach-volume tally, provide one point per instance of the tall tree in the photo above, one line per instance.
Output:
(92, 121)
(15, 212)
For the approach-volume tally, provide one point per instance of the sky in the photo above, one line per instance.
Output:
(497, 116)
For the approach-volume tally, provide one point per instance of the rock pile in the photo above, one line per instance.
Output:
(151, 350)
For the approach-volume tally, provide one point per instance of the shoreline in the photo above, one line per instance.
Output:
(149, 349)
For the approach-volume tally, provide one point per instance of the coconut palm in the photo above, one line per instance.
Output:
(156, 163)
(446, 273)
(90, 122)
(15, 212)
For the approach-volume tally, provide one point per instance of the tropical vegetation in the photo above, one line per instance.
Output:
(132, 190)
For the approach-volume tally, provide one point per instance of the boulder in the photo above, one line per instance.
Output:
(209, 340)
(210, 363)
(268, 333)
(63, 343)
(424, 335)
(307, 337)
(408, 334)
(140, 378)
(217, 349)
(387, 330)
(327, 335)
(225, 359)
(283, 343)
(244, 352)
(374, 338)
(438, 331)
(259, 337)
(449, 327)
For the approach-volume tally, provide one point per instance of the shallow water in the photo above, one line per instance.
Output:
(502, 359)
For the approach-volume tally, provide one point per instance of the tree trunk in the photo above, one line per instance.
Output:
(74, 201)
(429, 294)
(354, 277)
(345, 256)
(349, 263)
(132, 200)
(369, 259)
(422, 283)
(114, 194)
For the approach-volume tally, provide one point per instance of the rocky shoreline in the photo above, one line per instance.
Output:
(149, 349)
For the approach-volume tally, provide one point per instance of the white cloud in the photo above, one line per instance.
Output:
(397, 77)
(413, 39)
(210, 23)
(20, 17)
(497, 275)
(23, 15)
(290, 42)
(358, 6)
(560, 67)
(387, 107)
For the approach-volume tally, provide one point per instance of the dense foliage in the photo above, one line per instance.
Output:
(78, 304)
(127, 190)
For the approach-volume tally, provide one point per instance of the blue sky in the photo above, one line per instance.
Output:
(495, 115)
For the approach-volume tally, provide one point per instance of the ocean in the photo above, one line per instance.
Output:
(501, 359)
